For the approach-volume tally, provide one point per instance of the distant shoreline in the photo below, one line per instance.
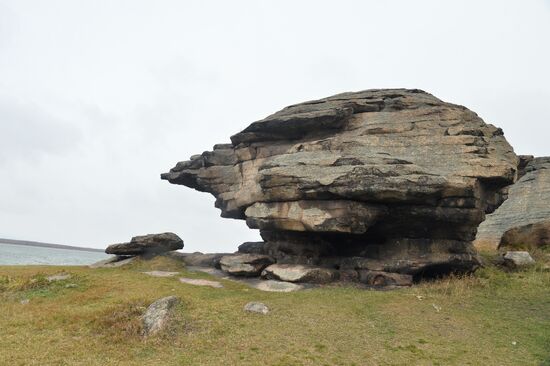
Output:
(48, 245)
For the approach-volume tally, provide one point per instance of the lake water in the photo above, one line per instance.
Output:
(24, 254)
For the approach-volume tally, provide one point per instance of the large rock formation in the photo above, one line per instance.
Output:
(147, 245)
(523, 220)
(380, 180)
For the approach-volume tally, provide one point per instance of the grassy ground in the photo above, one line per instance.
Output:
(490, 318)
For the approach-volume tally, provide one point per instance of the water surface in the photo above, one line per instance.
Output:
(11, 254)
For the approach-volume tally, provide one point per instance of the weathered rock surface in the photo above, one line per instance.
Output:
(59, 277)
(161, 273)
(158, 315)
(245, 264)
(256, 307)
(198, 259)
(527, 236)
(389, 176)
(200, 282)
(277, 286)
(378, 278)
(147, 244)
(523, 220)
(517, 259)
(299, 273)
(252, 247)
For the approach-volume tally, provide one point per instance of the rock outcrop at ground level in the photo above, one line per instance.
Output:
(157, 316)
(523, 220)
(379, 180)
(147, 244)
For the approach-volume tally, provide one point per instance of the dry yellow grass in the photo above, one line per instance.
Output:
(490, 318)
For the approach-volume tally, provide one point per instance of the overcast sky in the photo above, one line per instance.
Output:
(97, 98)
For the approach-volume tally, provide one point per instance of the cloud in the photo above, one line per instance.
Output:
(27, 132)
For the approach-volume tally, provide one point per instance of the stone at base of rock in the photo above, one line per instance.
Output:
(518, 259)
(248, 265)
(299, 273)
(161, 273)
(379, 278)
(256, 307)
(198, 259)
(199, 282)
(116, 261)
(528, 236)
(158, 314)
(348, 275)
(276, 286)
(252, 247)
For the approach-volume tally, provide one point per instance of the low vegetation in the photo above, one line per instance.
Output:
(494, 317)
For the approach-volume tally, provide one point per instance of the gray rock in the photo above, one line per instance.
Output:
(161, 273)
(523, 220)
(198, 259)
(276, 286)
(158, 314)
(116, 261)
(252, 247)
(59, 277)
(379, 278)
(147, 244)
(299, 273)
(25, 302)
(248, 265)
(535, 235)
(517, 259)
(256, 307)
(199, 282)
(385, 175)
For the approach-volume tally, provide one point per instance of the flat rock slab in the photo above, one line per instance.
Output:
(276, 286)
(518, 259)
(59, 277)
(248, 265)
(299, 273)
(256, 283)
(256, 307)
(158, 314)
(199, 282)
(161, 273)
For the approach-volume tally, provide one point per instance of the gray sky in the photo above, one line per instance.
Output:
(97, 98)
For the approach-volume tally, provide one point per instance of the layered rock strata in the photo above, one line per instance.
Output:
(523, 220)
(147, 244)
(378, 180)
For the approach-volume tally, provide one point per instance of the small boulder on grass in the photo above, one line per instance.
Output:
(518, 259)
(256, 307)
(158, 314)
(59, 277)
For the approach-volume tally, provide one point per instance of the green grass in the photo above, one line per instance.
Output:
(97, 321)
